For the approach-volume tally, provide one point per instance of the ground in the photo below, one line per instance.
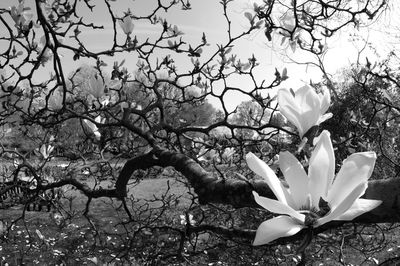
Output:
(103, 236)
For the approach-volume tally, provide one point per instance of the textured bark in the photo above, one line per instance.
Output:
(238, 193)
(140, 162)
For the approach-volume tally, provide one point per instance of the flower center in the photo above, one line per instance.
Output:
(312, 214)
(311, 217)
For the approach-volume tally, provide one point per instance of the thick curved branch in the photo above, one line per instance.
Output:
(208, 188)
(145, 161)
(238, 193)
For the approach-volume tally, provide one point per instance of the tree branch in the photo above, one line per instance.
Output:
(238, 193)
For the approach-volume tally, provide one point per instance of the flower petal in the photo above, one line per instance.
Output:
(322, 168)
(325, 100)
(270, 230)
(290, 202)
(308, 120)
(289, 108)
(126, 24)
(356, 169)
(309, 102)
(96, 86)
(278, 207)
(303, 109)
(324, 117)
(344, 205)
(262, 169)
(308, 99)
(42, 150)
(97, 134)
(295, 176)
(359, 207)
(295, 117)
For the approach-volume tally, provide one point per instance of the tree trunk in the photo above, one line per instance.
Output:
(238, 193)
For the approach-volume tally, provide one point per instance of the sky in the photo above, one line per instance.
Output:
(207, 16)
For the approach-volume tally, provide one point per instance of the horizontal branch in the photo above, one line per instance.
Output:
(84, 188)
(238, 193)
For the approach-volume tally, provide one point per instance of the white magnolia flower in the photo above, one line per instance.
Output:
(126, 24)
(45, 150)
(185, 219)
(21, 15)
(55, 101)
(228, 153)
(96, 86)
(206, 155)
(132, 105)
(317, 198)
(92, 126)
(288, 21)
(305, 108)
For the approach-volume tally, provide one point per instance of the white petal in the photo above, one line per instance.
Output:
(359, 207)
(322, 168)
(295, 176)
(127, 25)
(96, 86)
(277, 207)
(289, 107)
(262, 169)
(42, 150)
(288, 21)
(308, 120)
(308, 99)
(281, 226)
(325, 99)
(356, 169)
(50, 148)
(99, 119)
(295, 117)
(324, 117)
(289, 197)
(97, 135)
(91, 125)
(344, 205)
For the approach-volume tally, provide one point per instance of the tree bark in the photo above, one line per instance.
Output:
(238, 193)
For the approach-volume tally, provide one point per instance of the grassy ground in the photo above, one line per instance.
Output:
(40, 239)
(104, 238)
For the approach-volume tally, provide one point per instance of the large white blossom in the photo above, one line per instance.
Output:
(317, 198)
(305, 108)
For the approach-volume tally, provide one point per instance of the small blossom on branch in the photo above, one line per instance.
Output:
(92, 126)
(127, 24)
(187, 219)
(55, 101)
(304, 108)
(45, 150)
(21, 15)
(96, 86)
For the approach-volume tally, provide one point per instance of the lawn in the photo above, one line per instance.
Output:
(151, 236)
(43, 238)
